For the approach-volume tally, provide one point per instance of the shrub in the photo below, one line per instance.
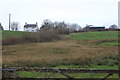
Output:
(40, 36)
(46, 36)
(31, 37)
(12, 41)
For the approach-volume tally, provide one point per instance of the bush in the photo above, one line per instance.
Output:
(31, 37)
(40, 36)
(46, 36)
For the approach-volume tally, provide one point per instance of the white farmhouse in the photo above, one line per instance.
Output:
(30, 27)
(14, 26)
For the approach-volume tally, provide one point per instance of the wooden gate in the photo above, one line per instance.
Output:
(64, 70)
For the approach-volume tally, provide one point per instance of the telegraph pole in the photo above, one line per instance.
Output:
(119, 14)
(9, 21)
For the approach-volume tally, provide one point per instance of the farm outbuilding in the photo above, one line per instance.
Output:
(96, 28)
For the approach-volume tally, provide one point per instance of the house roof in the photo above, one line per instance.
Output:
(30, 25)
(99, 27)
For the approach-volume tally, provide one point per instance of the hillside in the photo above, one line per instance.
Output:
(88, 43)
(105, 38)
(95, 35)
(75, 36)
(96, 50)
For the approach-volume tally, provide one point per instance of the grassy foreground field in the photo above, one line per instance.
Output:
(97, 50)
(59, 52)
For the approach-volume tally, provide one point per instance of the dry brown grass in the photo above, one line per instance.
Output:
(53, 53)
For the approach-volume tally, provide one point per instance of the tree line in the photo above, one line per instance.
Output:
(61, 27)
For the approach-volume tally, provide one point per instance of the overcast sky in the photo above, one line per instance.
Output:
(82, 12)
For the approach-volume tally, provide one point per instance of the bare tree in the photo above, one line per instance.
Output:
(1, 27)
(113, 26)
(14, 26)
(74, 27)
(61, 27)
(47, 25)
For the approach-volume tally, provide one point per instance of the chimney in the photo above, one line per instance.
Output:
(36, 23)
(25, 23)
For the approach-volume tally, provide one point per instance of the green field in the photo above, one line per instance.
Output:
(95, 35)
(12, 34)
(105, 38)
(75, 36)
(89, 50)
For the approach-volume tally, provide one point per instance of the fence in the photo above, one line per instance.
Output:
(64, 70)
